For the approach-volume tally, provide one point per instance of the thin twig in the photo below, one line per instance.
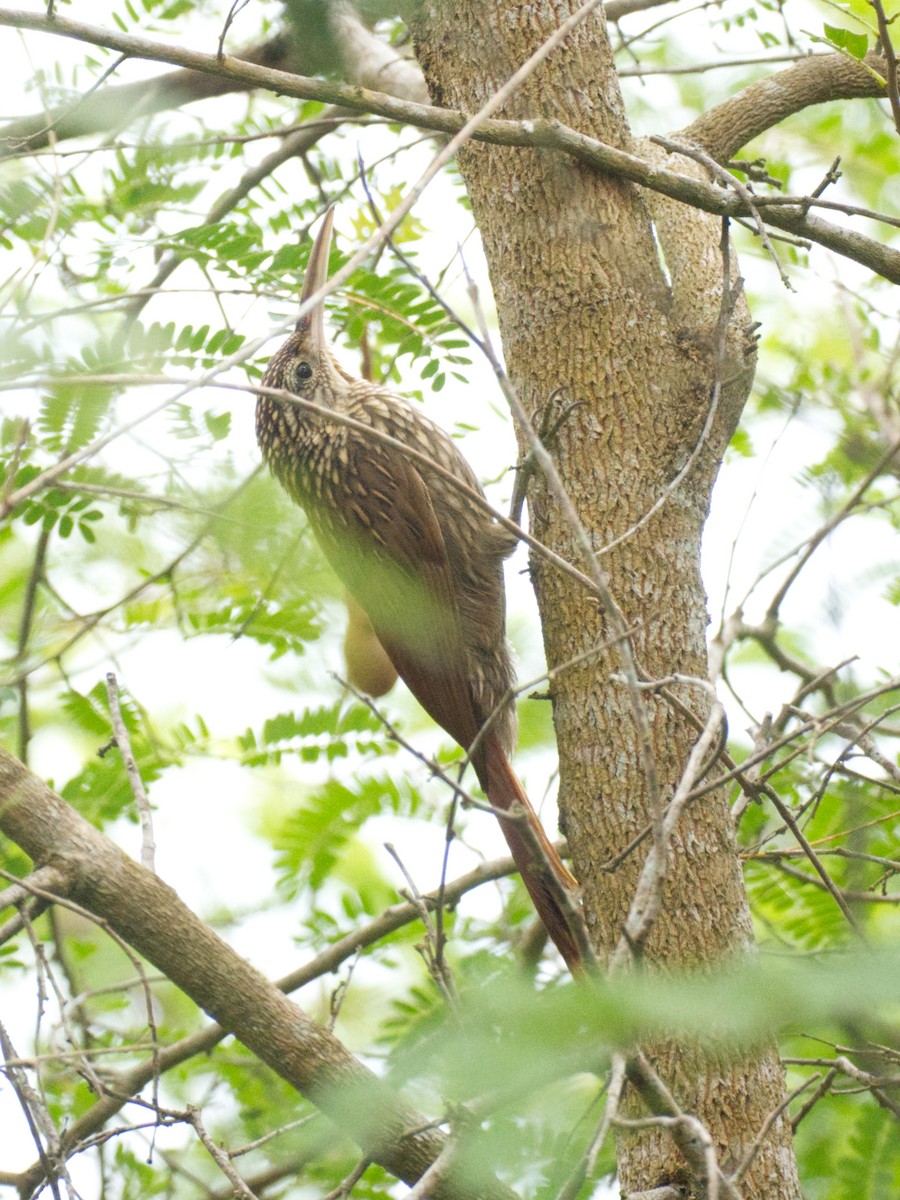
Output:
(849, 895)
(430, 1180)
(219, 1156)
(436, 963)
(166, 1058)
(26, 620)
(139, 969)
(756, 784)
(725, 177)
(123, 741)
(647, 898)
(349, 1182)
(236, 7)
(757, 1144)
(830, 525)
(566, 900)
(890, 58)
(540, 133)
(40, 1123)
(289, 1127)
(339, 995)
(587, 1164)
(811, 1101)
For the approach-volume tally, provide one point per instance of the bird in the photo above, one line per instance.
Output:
(392, 502)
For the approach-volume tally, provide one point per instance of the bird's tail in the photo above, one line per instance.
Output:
(552, 887)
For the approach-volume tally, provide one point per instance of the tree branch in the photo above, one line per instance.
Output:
(129, 1082)
(114, 108)
(149, 916)
(117, 106)
(729, 126)
(539, 134)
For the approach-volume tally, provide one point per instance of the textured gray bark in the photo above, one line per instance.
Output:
(584, 306)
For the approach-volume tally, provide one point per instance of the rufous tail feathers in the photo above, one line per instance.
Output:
(552, 887)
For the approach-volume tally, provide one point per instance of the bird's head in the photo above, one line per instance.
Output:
(303, 364)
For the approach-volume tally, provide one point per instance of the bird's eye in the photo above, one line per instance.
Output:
(304, 371)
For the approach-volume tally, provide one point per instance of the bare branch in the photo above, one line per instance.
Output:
(128, 1083)
(688, 1133)
(756, 1145)
(539, 133)
(818, 79)
(115, 108)
(890, 58)
(40, 1123)
(121, 894)
(366, 59)
(123, 741)
(728, 180)
(647, 898)
(220, 1157)
(587, 1164)
(850, 896)
(846, 510)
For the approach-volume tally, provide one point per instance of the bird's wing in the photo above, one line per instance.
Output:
(393, 560)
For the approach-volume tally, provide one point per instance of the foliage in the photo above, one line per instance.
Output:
(163, 554)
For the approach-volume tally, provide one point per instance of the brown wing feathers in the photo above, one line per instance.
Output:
(422, 562)
(410, 534)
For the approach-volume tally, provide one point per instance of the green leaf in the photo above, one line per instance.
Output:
(856, 44)
(219, 426)
(216, 341)
(290, 256)
(314, 838)
(314, 732)
(73, 416)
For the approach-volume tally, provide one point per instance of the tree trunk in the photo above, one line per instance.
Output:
(585, 306)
